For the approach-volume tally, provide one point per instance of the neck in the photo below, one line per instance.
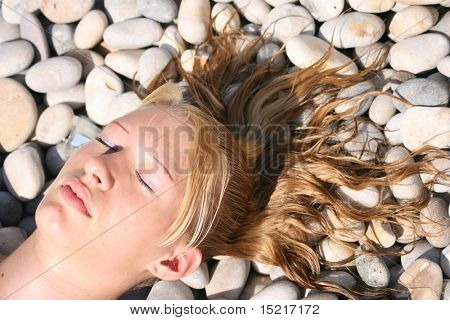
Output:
(24, 275)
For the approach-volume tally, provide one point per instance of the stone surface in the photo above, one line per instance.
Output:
(125, 62)
(120, 10)
(373, 271)
(199, 278)
(355, 91)
(54, 124)
(405, 24)
(445, 261)
(392, 129)
(254, 11)
(332, 251)
(62, 38)
(89, 30)
(423, 279)
(10, 239)
(171, 41)
(279, 290)
(371, 53)
(15, 56)
(371, 6)
(382, 109)
(225, 17)
(163, 11)
(255, 283)
(151, 63)
(73, 97)
(422, 249)
(193, 20)
(88, 59)
(435, 222)
(13, 10)
(170, 290)
(10, 210)
(8, 31)
(31, 29)
(381, 233)
(345, 229)
(65, 11)
(323, 10)
(228, 278)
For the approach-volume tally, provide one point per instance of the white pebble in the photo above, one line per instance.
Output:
(65, 11)
(226, 17)
(54, 124)
(73, 97)
(371, 6)
(435, 221)
(199, 278)
(193, 20)
(254, 11)
(371, 53)
(8, 31)
(172, 41)
(121, 10)
(381, 233)
(228, 278)
(151, 63)
(332, 251)
(442, 165)
(122, 105)
(15, 56)
(382, 109)
(125, 62)
(12, 10)
(392, 129)
(323, 10)
(62, 38)
(163, 11)
(89, 30)
(443, 66)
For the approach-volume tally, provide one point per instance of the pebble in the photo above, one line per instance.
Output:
(226, 17)
(369, 54)
(62, 38)
(354, 29)
(411, 187)
(279, 290)
(419, 2)
(88, 59)
(24, 173)
(405, 24)
(89, 30)
(170, 290)
(125, 62)
(443, 66)
(266, 52)
(341, 226)
(414, 54)
(254, 11)
(102, 87)
(31, 29)
(405, 230)
(123, 104)
(446, 290)
(59, 73)
(53, 161)
(172, 41)
(28, 224)
(382, 109)
(381, 233)
(368, 197)
(287, 20)
(332, 251)
(421, 92)
(151, 63)
(392, 129)
(391, 79)
(342, 278)
(443, 25)
(73, 97)
(422, 249)
(10, 209)
(12, 10)
(436, 221)
(442, 165)
(352, 91)
(304, 50)
(199, 278)
(8, 31)
(10, 239)
(18, 114)
(445, 261)
(163, 11)
(193, 20)
(54, 124)
(323, 10)
(255, 283)
(373, 6)
(128, 34)
(65, 11)
(372, 270)
(227, 279)
(423, 279)
(425, 126)
(120, 10)
(15, 56)
(401, 293)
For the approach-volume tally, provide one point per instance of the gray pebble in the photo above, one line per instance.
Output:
(170, 290)
(353, 91)
(341, 278)
(279, 290)
(373, 270)
(423, 249)
(10, 209)
(445, 261)
(199, 278)
(62, 38)
(10, 239)
(31, 29)
(53, 161)
(402, 292)
(160, 10)
(27, 223)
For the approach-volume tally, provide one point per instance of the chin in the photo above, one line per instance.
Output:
(50, 219)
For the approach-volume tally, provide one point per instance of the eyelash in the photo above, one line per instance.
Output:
(115, 148)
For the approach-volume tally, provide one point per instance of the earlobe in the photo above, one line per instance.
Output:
(178, 267)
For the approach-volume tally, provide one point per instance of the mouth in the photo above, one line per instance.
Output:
(76, 195)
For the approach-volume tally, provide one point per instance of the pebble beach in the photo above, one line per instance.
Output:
(67, 68)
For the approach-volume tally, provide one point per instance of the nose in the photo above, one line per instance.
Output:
(97, 174)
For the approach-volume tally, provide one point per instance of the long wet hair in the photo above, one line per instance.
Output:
(274, 159)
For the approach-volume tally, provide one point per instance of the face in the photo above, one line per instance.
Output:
(134, 192)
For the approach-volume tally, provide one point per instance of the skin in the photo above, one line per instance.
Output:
(73, 256)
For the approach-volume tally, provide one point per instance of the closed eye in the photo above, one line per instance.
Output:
(103, 142)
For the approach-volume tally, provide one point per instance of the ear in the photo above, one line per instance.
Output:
(177, 267)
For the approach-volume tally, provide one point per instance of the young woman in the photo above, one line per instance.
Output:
(243, 164)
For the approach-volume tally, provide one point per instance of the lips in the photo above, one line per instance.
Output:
(76, 195)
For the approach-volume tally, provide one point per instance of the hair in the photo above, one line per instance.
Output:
(260, 180)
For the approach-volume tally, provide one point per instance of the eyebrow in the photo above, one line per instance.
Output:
(156, 159)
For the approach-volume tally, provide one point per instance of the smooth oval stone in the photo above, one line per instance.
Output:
(443, 25)
(404, 230)
(59, 73)
(172, 41)
(255, 283)
(125, 62)
(89, 30)
(266, 52)
(252, 29)
(370, 54)
(392, 129)
(276, 273)
(273, 3)
(227, 279)
(419, 2)
(65, 11)
(354, 29)
(151, 63)
(10, 209)
(345, 229)
(260, 267)
(163, 11)
(381, 233)
(10, 239)
(441, 165)
(170, 290)
(342, 278)
(62, 38)
(54, 161)
(373, 271)
(422, 249)
(15, 56)
(405, 24)
(304, 50)
(8, 31)
(123, 104)
(28, 224)
(31, 29)
(354, 91)
(226, 17)
(332, 251)
(287, 20)
(423, 279)
(193, 20)
(54, 124)
(24, 173)
(382, 109)
(436, 221)
(443, 66)
(445, 261)
(199, 278)
(421, 92)
(120, 10)
(424, 125)
(128, 34)
(12, 10)
(323, 10)
(371, 6)
(409, 188)
(279, 290)
(254, 11)
(102, 86)
(73, 97)
(18, 114)
(368, 197)
(414, 54)
(88, 59)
